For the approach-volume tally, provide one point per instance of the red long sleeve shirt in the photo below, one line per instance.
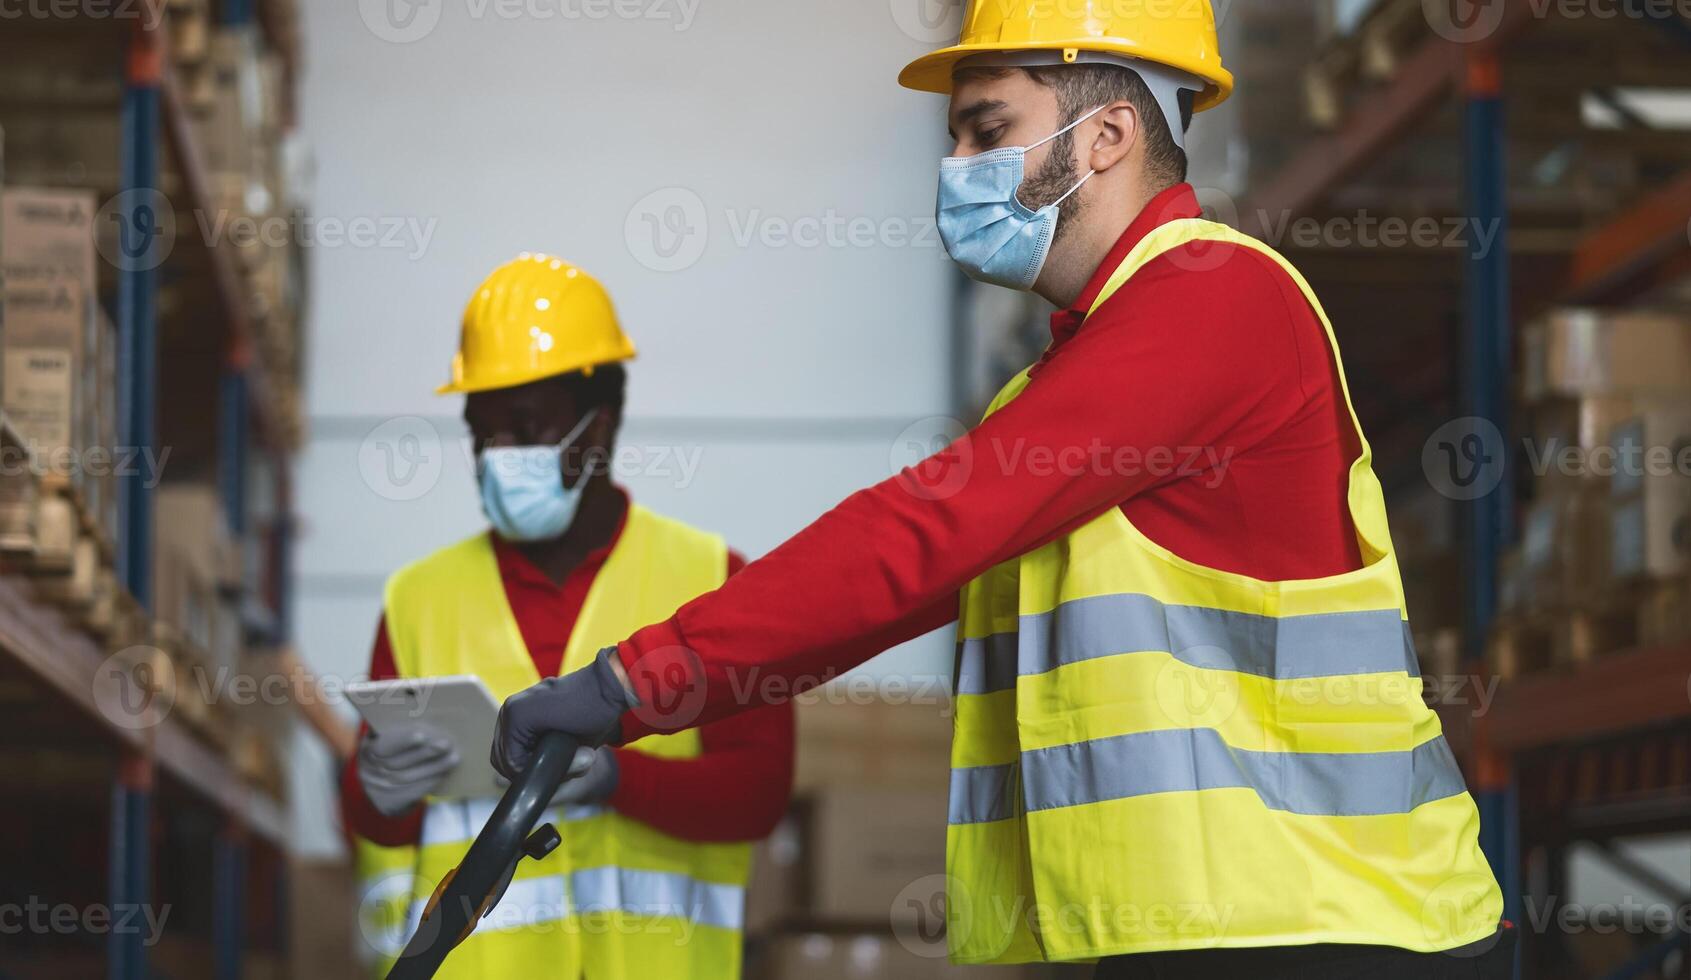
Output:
(1202, 399)
(736, 789)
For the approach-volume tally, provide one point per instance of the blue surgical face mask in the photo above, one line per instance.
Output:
(522, 488)
(986, 230)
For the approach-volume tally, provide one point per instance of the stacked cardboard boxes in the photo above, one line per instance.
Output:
(1602, 559)
(194, 565)
(851, 884)
(55, 348)
(255, 211)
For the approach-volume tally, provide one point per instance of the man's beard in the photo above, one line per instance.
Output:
(1055, 178)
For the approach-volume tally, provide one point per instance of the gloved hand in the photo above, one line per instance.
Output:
(593, 776)
(399, 769)
(587, 704)
(595, 784)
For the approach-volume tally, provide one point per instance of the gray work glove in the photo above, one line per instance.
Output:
(587, 704)
(592, 778)
(400, 768)
(596, 782)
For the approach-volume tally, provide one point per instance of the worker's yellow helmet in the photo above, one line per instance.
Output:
(534, 317)
(1179, 34)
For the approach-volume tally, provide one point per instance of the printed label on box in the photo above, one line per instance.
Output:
(38, 387)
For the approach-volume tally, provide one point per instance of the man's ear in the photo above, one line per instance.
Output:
(1118, 132)
(605, 426)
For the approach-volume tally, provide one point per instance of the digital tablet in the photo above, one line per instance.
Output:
(459, 709)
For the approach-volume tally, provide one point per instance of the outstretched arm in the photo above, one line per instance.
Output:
(1112, 414)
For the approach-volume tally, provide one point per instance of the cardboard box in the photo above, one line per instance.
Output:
(1650, 513)
(850, 735)
(191, 544)
(65, 149)
(1578, 352)
(45, 323)
(866, 848)
(1564, 543)
(775, 895)
(1650, 537)
(48, 233)
(1565, 434)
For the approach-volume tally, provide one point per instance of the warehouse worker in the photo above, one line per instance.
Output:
(650, 880)
(1189, 738)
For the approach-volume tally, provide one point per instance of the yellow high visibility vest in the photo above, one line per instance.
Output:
(1152, 755)
(619, 898)
(386, 879)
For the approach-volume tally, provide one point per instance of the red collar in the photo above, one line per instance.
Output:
(1179, 201)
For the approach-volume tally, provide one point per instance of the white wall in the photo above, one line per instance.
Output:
(787, 371)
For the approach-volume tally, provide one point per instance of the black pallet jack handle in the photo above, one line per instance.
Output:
(470, 890)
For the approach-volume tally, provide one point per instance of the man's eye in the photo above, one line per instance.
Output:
(988, 137)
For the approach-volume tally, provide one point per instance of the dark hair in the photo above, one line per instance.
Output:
(1082, 88)
(604, 388)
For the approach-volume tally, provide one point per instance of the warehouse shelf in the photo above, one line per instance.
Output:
(1382, 120)
(193, 756)
(1398, 109)
(234, 296)
(1620, 693)
(1637, 251)
(37, 638)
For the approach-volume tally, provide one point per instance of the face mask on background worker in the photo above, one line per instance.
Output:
(986, 229)
(522, 488)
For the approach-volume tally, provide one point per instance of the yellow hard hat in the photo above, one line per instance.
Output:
(1177, 33)
(534, 317)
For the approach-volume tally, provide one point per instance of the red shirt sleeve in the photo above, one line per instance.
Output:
(357, 814)
(736, 789)
(1184, 359)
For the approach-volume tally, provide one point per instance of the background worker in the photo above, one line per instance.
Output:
(1173, 559)
(655, 855)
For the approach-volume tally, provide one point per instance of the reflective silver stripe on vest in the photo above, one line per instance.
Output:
(1277, 647)
(529, 902)
(459, 821)
(659, 893)
(1191, 759)
(982, 794)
